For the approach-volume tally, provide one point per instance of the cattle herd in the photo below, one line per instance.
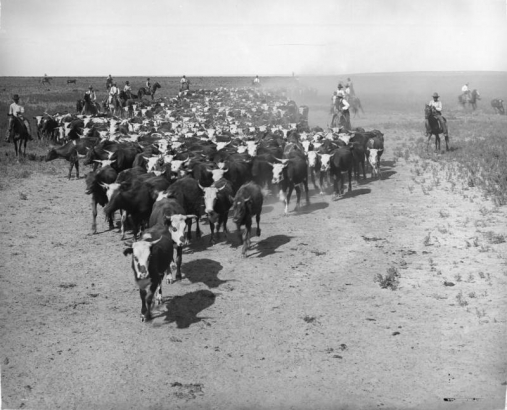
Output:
(203, 153)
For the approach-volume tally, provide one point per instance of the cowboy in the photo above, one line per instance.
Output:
(437, 108)
(16, 110)
(465, 90)
(340, 90)
(109, 82)
(256, 80)
(127, 89)
(89, 97)
(113, 92)
(184, 84)
(343, 108)
(148, 84)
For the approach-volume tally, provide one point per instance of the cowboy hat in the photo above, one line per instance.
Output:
(340, 86)
(15, 97)
(90, 87)
(435, 95)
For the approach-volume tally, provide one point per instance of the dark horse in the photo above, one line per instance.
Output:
(20, 133)
(433, 128)
(185, 86)
(470, 99)
(143, 91)
(90, 107)
(127, 101)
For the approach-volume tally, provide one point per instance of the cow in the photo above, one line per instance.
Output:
(72, 151)
(187, 192)
(73, 81)
(342, 160)
(152, 257)
(247, 203)
(498, 106)
(94, 187)
(136, 200)
(291, 172)
(374, 150)
(169, 213)
(217, 203)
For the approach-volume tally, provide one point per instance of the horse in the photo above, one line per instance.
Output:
(114, 106)
(355, 104)
(340, 120)
(185, 86)
(433, 128)
(151, 91)
(470, 98)
(497, 105)
(45, 80)
(127, 101)
(20, 132)
(71, 81)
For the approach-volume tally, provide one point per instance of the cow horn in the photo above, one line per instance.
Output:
(200, 186)
(221, 188)
(104, 185)
(192, 216)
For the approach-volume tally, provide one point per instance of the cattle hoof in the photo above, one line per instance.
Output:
(259, 232)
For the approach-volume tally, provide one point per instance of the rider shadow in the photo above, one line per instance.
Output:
(269, 245)
(184, 309)
(204, 271)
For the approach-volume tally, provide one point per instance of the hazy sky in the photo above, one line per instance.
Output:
(241, 37)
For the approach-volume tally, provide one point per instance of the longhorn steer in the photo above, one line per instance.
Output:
(151, 259)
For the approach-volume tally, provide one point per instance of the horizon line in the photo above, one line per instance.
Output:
(268, 75)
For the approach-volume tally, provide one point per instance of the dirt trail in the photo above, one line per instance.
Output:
(298, 324)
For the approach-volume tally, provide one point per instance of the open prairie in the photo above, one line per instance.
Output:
(391, 297)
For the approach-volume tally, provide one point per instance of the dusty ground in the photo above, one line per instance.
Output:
(299, 324)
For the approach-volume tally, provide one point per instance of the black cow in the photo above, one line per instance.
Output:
(169, 213)
(497, 105)
(151, 259)
(94, 181)
(291, 172)
(135, 199)
(342, 160)
(71, 151)
(247, 203)
(187, 192)
(217, 203)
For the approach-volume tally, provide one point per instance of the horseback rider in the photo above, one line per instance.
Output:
(342, 107)
(16, 110)
(127, 89)
(437, 113)
(90, 98)
(465, 90)
(109, 82)
(256, 80)
(148, 85)
(184, 83)
(340, 90)
(113, 93)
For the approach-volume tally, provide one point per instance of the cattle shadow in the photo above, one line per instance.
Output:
(205, 271)
(268, 246)
(390, 164)
(354, 193)
(312, 207)
(184, 309)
